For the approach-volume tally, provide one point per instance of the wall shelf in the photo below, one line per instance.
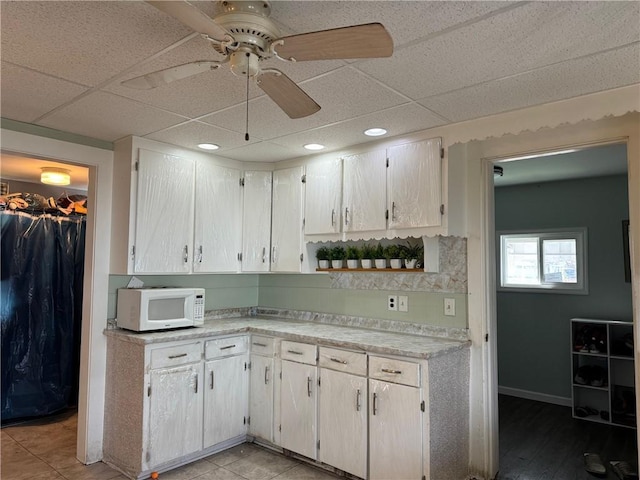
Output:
(372, 270)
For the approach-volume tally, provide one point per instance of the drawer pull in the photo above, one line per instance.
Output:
(395, 372)
(295, 352)
(257, 344)
(337, 360)
(177, 356)
(227, 347)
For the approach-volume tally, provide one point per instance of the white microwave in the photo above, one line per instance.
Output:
(144, 309)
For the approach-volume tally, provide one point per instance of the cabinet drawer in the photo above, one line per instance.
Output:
(343, 360)
(262, 345)
(223, 347)
(298, 352)
(176, 355)
(396, 371)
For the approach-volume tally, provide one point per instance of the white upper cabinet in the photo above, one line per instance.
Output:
(218, 214)
(256, 221)
(414, 185)
(286, 224)
(323, 194)
(364, 193)
(164, 216)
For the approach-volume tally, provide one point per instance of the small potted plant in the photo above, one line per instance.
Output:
(412, 255)
(338, 255)
(353, 255)
(381, 261)
(367, 255)
(392, 253)
(323, 255)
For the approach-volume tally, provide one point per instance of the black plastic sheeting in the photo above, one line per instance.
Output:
(42, 267)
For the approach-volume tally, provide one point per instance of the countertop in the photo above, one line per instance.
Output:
(373, 341)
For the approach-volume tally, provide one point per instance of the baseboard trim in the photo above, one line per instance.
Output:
(539, 397)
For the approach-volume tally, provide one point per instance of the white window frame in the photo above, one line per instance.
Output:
(581, 287)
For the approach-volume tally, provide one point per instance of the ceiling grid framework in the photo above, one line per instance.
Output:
(63, 62)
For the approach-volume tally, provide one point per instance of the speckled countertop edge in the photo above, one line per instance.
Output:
(353, 338)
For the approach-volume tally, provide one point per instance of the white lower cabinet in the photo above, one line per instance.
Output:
(262, 388)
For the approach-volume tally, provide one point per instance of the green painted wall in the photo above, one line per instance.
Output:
(533, 328)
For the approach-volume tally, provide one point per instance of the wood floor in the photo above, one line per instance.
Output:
(542, 441)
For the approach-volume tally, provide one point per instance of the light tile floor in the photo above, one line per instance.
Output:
(45, 449)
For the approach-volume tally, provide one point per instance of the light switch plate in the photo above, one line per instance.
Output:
(450, 307)
(403, 303)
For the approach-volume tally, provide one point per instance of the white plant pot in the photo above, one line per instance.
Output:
(352, 263)
(381, 263)
(410, 263)
(323, 263)
(366, 263)
(336, 263)
(396, 263)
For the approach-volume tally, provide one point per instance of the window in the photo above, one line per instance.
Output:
(547, 261)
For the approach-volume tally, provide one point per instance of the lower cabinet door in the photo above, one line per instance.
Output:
(395, 436)
(343, 421)
(261, 397)
(298, 408)
(175, 413)
(225, 399)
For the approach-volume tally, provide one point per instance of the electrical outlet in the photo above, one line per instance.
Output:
(392, 303)
(403, 303)
(450, 307)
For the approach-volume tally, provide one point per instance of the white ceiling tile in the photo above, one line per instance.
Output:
(342, 94)
(85, 42)
(27, 95)
(190, 134)
(573, 78)
(108, 117)
(535, 35)
(260, 152)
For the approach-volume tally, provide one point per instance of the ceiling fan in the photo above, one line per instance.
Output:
(242, 32)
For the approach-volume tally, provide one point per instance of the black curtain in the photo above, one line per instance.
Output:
(42, 268)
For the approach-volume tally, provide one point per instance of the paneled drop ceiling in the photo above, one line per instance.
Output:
(63, 61)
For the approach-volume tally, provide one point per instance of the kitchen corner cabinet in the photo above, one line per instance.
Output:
(256, 221)
(323, 197)
(286, 223)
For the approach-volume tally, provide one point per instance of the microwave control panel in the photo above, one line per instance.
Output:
(199, 308)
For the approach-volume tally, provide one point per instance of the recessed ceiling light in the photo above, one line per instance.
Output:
(208, 146)
(375, 132)
(313, 146)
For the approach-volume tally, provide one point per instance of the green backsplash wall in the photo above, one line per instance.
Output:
(533, 328)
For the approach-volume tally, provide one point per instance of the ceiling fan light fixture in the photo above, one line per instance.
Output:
(55, 176)
(375, 132)
(313, 146)
(208, 146)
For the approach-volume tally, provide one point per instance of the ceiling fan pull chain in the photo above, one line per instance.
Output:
(246, 135)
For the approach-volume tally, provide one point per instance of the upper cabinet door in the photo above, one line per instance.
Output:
(286, 224)
(256, 221)
(218, 226)
(164, 214)
(323, 195)
(364, 203)
(414, 185)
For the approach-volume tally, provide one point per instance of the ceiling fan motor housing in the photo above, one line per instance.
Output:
(244, 63)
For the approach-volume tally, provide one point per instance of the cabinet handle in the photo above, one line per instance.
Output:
(395, 372)
(358, 393)
(346, 216)
(211, 381)
(259, 344)
(200, 254)
(264, 253)
(333, 217)
(273, 254)
(266, 375)
(295, 352)
(393, 211)
(375, 403)
(177, 356)
(227, 347)
(309, 386)
(337, 360)
(186, 254)
(196, 386)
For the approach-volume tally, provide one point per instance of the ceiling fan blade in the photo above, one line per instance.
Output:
(370, 40)
(168, 75)
(191, 16)
(286, 94)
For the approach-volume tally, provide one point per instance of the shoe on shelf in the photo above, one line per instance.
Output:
(593, 464)
(623, 470)
(583, 376)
